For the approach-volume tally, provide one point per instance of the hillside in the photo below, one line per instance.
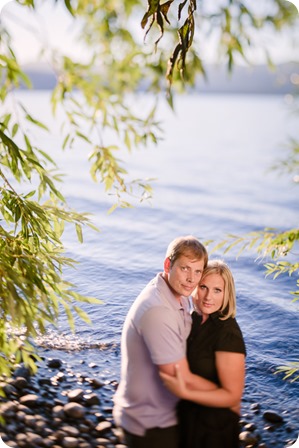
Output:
(251, 80)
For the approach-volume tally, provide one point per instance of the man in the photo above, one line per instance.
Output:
(154, 340)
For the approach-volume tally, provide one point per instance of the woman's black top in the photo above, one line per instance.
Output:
(203, 426)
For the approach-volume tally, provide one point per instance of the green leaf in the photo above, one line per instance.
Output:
(79, 233)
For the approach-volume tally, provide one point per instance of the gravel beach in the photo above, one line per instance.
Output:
(60, 407)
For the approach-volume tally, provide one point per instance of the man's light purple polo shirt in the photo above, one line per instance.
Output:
(154, 333)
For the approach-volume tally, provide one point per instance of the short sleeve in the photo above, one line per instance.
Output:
(231, 338)
(161, 333)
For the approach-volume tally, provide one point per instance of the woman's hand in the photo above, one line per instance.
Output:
(175, 384)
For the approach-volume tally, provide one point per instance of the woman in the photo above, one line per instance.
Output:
(216, 351)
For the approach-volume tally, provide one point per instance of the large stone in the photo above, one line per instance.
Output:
(54, 363)
(74, 410)
(272, 417)
(8, 409)
(103, 426)
(34, 439)
(70, 442)
(58, 412)
(30, 420)
(22, 371)
(96, 383)
(30, 400)
(70, 430)
(19, 383)
(91, 399)
(75, 395)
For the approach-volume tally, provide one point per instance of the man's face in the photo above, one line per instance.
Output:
(184, 275)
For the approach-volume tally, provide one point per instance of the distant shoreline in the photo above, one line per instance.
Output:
(243, 80)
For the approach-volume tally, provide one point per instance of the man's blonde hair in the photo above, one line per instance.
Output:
(189, 246)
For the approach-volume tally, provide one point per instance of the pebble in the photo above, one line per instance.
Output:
(247, 438)
(49, 410)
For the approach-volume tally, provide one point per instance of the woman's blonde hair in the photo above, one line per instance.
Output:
(229, 306)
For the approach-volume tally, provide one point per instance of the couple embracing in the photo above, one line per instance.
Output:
(182, 370)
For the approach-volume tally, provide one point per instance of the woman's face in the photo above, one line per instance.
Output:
(209, 295)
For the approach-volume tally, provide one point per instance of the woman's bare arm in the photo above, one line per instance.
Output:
(231, 373)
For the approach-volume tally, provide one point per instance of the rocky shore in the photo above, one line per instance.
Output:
(62, 408)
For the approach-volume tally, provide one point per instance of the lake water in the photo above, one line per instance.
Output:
(212, 178)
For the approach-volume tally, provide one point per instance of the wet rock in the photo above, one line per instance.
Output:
(272, 417)
(75, 395)
(107, 409)
(85, 445)
(9, 390)
(83, 428)
(48, 443)
(103, 426)
(19, 383)
(250, 427)
(96, 383)
(25, 409)
(21, 438)
(11, 427)
(91, 399)
(70, 442)
(92, 365)
(71, 431)
(13, 444)
(22, 371)
(74, 410)
(58, 378)
(255, 406)
(30, 420)
(34, 439)
(54, 363)
(30, 400)
(291, 443)
(58, 435)
(248, 438)
(8, 409)
(58, 411)
(57, 422)
(102, 442)
(20, 415)
(40, 425)
(269, 428)
(44, 381)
